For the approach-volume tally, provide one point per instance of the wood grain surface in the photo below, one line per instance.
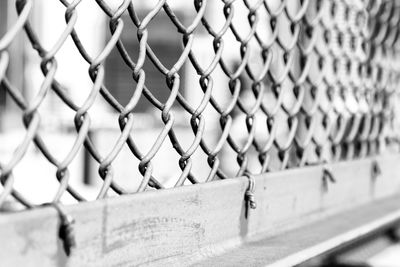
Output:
(187, 225)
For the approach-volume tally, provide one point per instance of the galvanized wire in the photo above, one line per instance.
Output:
(327, 76)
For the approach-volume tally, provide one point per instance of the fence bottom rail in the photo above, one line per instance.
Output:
(298, 213)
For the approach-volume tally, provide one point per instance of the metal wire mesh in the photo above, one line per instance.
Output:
(312, 82)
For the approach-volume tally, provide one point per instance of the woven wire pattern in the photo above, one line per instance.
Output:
(315, 82)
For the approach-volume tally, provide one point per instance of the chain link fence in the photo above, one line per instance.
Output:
(252, 87)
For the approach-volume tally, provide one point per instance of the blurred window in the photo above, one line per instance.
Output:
(165, 42)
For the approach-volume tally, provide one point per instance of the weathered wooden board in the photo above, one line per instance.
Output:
(185, 225)
(314, 239)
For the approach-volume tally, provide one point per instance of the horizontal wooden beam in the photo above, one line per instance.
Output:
(315, 239)
(187, 225)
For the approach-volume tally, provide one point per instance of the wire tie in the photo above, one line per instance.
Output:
(375, 170)
(327, 176)
(66, 229)
(249, 195)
